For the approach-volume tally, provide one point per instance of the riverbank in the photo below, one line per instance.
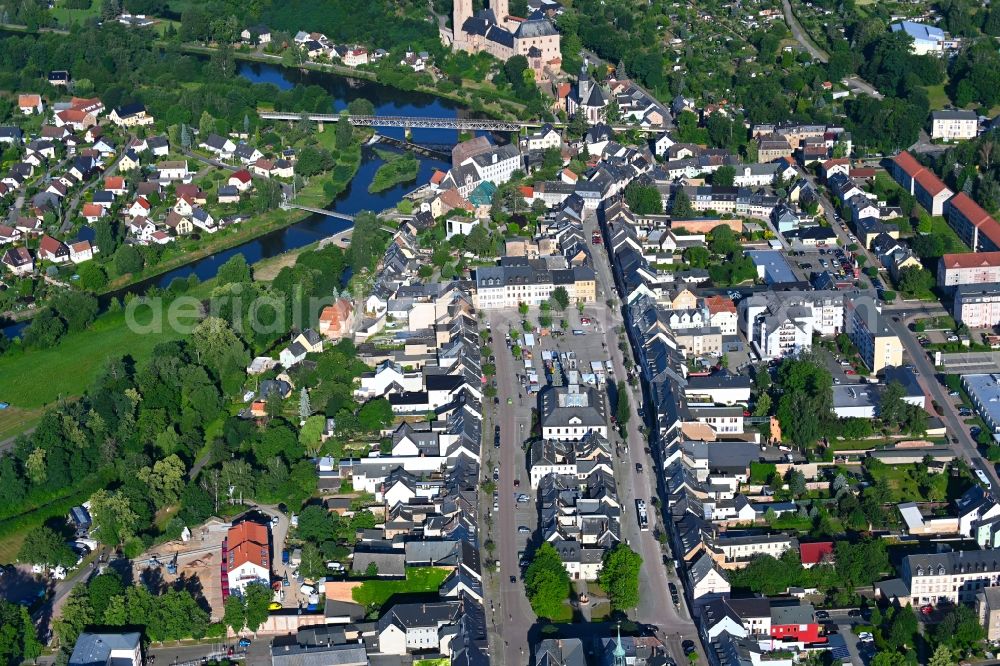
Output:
(503, 109)
(320, 190)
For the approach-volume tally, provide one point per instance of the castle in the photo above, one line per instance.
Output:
(504, 36)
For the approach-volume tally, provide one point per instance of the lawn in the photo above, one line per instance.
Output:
(66, 17)
(937, 97)
(904, 483)
(33, 379)
(15, 420)
(419, 580)
(11, 544)
(855, 444)
(939, 226)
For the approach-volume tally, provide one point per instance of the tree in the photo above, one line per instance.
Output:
(127, 260)
(620, 577)
(345, 133)
(697, 256)
(546, 582)
(796, 483)
(959, 629)
(92, 276)
(18, 640)
(165, 480)
(622, 411)
(902, 628)
(643, 199)
(102, 589)
(311, 433)
(114, 520)
(42, 545)
(942, 657)
(861, 563)
(888, 658)
(915, 281)
(76, 615)
(375, 415)
(560, 297)
(234, 613)
(724, 176)
(682, 205)
(258, 597)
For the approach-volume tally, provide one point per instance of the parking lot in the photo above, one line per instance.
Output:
(806, 261)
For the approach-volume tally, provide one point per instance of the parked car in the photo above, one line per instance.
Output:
(822, 615)
(523, 498)
(244, 643)
(523, 529)
(638, 468)
(688, 646)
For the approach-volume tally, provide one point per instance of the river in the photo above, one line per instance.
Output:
(388, 102)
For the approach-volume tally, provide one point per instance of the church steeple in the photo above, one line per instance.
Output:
(619, 652)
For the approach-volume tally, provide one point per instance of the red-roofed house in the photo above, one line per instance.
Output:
(247, 556)
(337, 321)
(81, 252)
(30, 104)
(78, 120)
(568, 177)
(115, 184)
(92, 212)
(974, 226)
(818, 552)
(968, 268)
(241, 180)
(835, 166)
(53, 250)
(139, 207)
(722, 314)
(918, 180)
(355, 57)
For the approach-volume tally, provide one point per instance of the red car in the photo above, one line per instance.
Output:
(849, 372)
(927, 610)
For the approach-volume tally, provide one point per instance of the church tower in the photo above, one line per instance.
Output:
(583, 85)
(462, 11)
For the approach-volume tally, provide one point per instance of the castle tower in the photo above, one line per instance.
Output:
(462, 12)
(502, 10)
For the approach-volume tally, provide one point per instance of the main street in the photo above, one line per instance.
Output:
(513, 616)
(655, 605)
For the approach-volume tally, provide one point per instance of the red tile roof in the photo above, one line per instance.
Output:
(242, 175)
(813, 553)
(93, 210)
(114, 183)
(921, 174)
(51, 245)
(247, 542)
(719, 304)
(971, 260)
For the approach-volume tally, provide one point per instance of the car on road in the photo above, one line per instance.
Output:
(244, 643)
(509, 401)
(273, 606)
(513, 579)
(496, 473)
(954, 394)
(866, 637)
(850, 372)
(523, 529)
(688, 646)
(822, 615)
(854, 613)
(927, 610)
(496, 507)
(522, 498)
(638, 468)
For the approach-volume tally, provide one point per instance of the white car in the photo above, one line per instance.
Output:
(866, 637)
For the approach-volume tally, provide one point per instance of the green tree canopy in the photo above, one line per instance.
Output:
(546, 582)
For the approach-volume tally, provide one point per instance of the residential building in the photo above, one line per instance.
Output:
(988, 609)
(955, 577)
(107, 649)
(519, 280)
(30, 104)
(337, 321)
(974, 226)
(878, 345)
(921, 182)
(949, 125)
(706, 583)
(968, 268)
(54, 250)
(18, 261)
(246, 556)
(977, 305)
(779, 324)
(416, 627)
(131, 115)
